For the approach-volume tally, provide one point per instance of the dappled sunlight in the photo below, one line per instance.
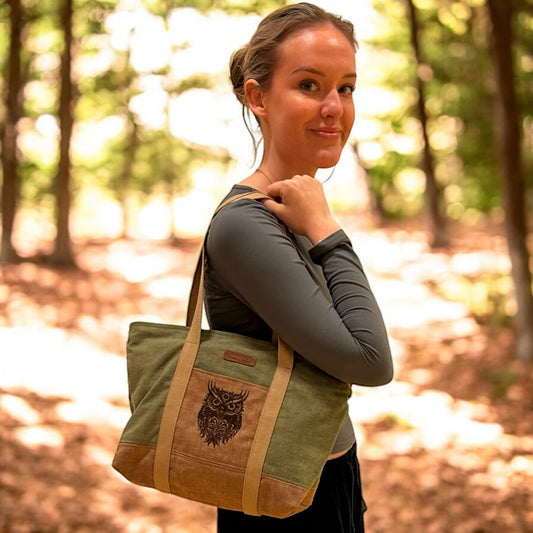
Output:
(57, 474)
(417, 306)
(34, 232)
(193, 211)
(38, 144)
(190, 111)
(56, 362)
(139, 261)
(37, 436)
(169, 287)
(88, 410)
(431, 420)
(480, 262)
(96, 217)
(19, 409)
(151, 104)
(399, 269)
(155, 219)
(92, 137)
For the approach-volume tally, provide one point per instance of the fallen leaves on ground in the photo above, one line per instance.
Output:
(447, 447)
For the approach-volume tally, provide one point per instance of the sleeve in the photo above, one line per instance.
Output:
(257, 262)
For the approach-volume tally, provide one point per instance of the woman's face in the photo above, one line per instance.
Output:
(308, 111)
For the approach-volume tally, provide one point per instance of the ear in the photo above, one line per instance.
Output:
(255, 98)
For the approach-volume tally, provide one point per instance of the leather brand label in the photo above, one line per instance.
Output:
(241, 358)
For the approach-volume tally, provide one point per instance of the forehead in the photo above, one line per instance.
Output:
(317, 44)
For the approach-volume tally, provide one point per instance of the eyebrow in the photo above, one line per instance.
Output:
(312, 70)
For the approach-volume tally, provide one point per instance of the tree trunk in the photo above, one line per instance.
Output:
(374, 204)
(125, 175)
(10, 182)
(512, 178)
(63, 247)
(432, 191)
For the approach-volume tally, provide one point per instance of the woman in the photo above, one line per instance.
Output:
(284, 264)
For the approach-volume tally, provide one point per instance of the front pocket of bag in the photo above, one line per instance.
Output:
(213, 435)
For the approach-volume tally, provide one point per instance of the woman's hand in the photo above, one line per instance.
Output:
(301, 204)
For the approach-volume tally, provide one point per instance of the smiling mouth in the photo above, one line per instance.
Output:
(327, 134)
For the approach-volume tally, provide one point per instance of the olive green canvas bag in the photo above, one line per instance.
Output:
(226, 419)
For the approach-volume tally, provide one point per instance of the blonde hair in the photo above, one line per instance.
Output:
(258, 59)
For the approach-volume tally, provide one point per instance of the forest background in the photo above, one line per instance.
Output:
(119, 135)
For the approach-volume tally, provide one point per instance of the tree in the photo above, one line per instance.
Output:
(512, 178)
(10, 183)
(432, 191)
(63, 249)
(458, 103)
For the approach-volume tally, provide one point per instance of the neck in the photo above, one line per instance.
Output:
(275, 172)
(266, 173)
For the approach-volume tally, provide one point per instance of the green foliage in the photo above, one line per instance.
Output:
(392, 421)
(459, 86)
(162, 7)
(458, 80)
(197, 81)
(524, 83)
(105, 84)
(384, 190)
(4, 36)
(89, 16)
(499, 380)
(489, 297)
(165, 158)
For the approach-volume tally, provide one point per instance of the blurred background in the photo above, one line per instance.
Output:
(119, 134)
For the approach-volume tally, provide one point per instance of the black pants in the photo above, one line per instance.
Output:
(338, 506)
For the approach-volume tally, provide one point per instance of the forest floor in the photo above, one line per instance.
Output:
(447, 447)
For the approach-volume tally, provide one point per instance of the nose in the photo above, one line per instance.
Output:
(332, 105)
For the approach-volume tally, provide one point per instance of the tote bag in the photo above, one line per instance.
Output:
(225, 419)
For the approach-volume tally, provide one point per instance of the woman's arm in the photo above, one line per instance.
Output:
(343, 333)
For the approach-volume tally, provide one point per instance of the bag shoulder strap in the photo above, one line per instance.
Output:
(180, 379)
(197, 283)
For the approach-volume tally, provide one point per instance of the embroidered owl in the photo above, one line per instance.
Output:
(220, 417)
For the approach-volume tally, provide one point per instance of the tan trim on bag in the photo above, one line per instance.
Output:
(180, 380)
(265, 428)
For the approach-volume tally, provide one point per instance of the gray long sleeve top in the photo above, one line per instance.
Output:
(260, 277)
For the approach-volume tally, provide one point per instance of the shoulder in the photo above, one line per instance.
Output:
(245, 219)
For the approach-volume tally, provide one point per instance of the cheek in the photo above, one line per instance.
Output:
(291, 122)
(349, 112)
(349, 117)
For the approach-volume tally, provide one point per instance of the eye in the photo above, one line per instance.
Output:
(347, 89)
(308, 85)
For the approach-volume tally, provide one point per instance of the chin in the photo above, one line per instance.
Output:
(328, 161)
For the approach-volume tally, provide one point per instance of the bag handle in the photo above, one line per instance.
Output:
(180, 379)
(197, 284)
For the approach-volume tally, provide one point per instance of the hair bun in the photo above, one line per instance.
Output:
(237, 73)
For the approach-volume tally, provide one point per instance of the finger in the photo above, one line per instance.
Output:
(276, 208)
(274, 190)
(271, 203)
